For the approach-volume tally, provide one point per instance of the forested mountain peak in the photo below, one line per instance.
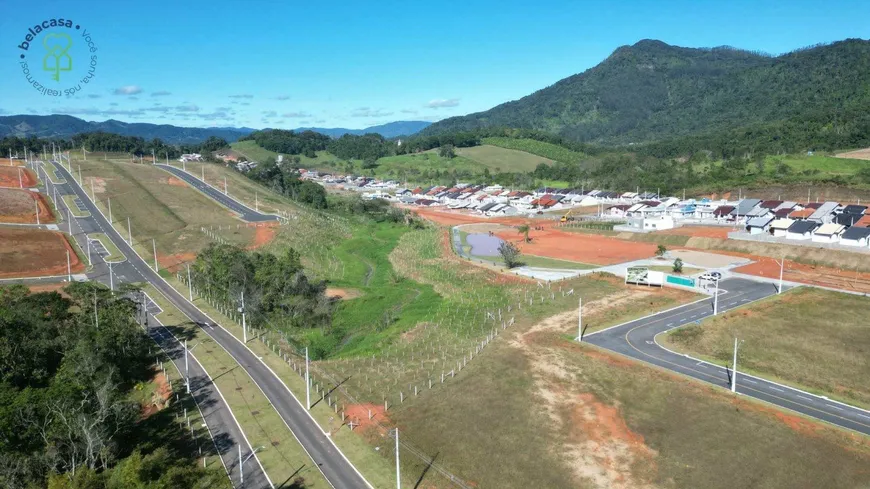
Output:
(652, 91)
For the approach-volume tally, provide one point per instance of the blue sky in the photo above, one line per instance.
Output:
(356, 64)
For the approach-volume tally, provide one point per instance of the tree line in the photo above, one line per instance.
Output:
(109, 142)
(69, 365)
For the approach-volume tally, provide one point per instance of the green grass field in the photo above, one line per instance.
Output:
(253, 151)
(499, 159)
(811, 338)
(166, 210)
(540, 148)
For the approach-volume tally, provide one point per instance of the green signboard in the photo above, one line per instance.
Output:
(688, 282)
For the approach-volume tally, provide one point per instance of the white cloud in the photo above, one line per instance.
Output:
(369, 112)
(128, 90)
(160, 93)
(187, 108)
(442, 102)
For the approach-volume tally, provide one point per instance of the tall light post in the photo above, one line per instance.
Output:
(68, 268)
(187, 365)
(781, 267)
(244, 324)
(20, 180)
(242, 463)
(307, 383)
(36, 203)
(154, 246)
(129, 232)
(189, 285)
(734, 367)
(111, 279)
(580, 320)
(398, 469)
(716, 299)
(88, 245)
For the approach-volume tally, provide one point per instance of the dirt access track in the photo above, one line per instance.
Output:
(9, 177)
(35, 253)
(17, 207)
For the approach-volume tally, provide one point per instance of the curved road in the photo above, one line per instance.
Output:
(337, 470)
(637, 339)
(223, 199)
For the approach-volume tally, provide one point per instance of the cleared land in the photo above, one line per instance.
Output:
(252, 151)
(158, 209)
(12, 162)
(806, 337)
(9, 177)
(35, 253)
(502, 159)
(584, 248)
(858, 154)
(540, 148)
(19, 207)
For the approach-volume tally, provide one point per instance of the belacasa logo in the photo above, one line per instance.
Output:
(56, 44)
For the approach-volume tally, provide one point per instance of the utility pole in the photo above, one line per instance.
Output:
(734, 368)
(111, 279)
(69, 221)
(154, 246)
(716, 299)
(225, 186)
(88, 245)
(81, 182)
(20, 181)
(109, 202)
(189, 285)
(781, 267)
(203, 173)
(307, 383)
(244, 324)
(129, 233)
(36, 203)
(580, 320)
(153, 157)
(242, 463)
(68, 268)
(398, 470)
(257, 201)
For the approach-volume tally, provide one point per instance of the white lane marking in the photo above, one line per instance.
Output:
(863, 415)
(777, 389)
(670, 324)
(838, 408)
(804, 398)
(749, 380)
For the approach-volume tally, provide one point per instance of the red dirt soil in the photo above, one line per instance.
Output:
(162, 395)
(264, 233)
(584, 248)
(56, 287)
(9, 177)
(175, 182)
(8, 162)
(359, 414)
(35, 253)
(17, 207)
(808, 274)
(699, 231)
(174, 263)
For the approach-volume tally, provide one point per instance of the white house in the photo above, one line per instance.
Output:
(829, 233)
(779, 227)
(801, 230)
(759, 225)
(856, 236)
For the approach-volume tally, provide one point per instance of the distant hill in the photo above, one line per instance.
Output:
(64, 126)
(652, 91)
(389, 130)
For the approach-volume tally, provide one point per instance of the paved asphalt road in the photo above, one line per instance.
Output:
(225, 431)
(225, 200)
(636, 339)
(338, 471)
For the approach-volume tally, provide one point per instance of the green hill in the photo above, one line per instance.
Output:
(652, 91)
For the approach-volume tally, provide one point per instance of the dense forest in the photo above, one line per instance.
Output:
(67, 420)
(289, 142)
(110, 142)
(285, 180)
(652, 91)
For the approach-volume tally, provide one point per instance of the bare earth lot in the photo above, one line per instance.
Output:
(18, 207)
(34, 253)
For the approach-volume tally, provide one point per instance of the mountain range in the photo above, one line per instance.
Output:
(652, 91)
(64, 126)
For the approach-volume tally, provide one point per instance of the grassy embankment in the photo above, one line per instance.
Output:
(810, 338)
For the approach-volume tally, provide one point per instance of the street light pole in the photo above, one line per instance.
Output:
(189, 285)
(88, 245)
(242, 463)
(781, 267)
(111, 279)
(244, 324)
(36, 203)
(154, 246)
(716, 299)
(398, 470)
(68, 268)
(307, 383)
(129, 232)
(580, 320)
(734, 369)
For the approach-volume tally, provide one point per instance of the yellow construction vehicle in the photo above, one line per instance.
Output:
(567, 217)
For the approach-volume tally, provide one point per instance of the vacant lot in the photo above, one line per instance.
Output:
(503, 159)
(556, 414)
(19, 207)
(584, 248)
(9, 177)
(170, 214)
(540, 148)
(34, 253)
(858, 154)
(807, 337)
